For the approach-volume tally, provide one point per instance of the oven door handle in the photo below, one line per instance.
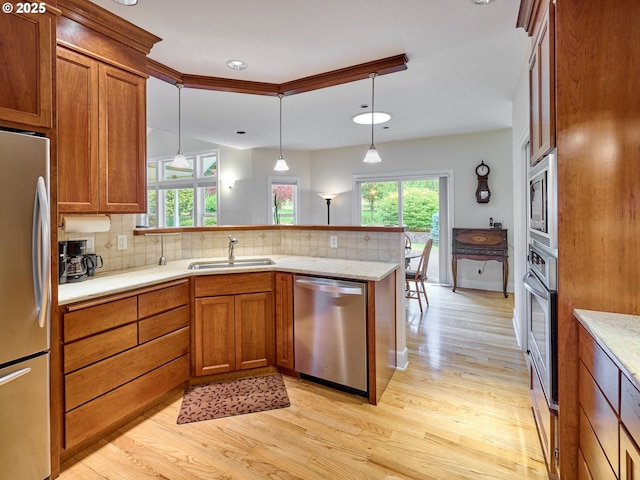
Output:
(533, 285)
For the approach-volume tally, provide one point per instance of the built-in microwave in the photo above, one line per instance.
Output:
(543, 202)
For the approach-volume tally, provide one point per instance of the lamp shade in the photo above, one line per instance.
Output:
(180, 161)
(281, 165)
(372, 155)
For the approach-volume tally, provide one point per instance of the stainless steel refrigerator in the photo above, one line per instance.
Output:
(25, 295)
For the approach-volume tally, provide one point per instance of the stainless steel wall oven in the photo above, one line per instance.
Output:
(541, 287)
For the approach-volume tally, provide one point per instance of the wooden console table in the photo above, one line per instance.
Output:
(480, 244)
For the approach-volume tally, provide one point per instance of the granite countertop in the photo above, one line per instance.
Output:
(123, 280)
(618, 335)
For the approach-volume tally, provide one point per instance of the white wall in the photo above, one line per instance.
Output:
(332, 170)
(520, 184)
(263, 163)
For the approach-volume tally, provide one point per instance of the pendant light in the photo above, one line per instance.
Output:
(372, 155)
(179, 161)
(281, 164)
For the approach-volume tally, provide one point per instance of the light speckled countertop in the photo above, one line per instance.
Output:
(124, 280)
(619, 336)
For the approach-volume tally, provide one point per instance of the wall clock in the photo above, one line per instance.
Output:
(483, 194)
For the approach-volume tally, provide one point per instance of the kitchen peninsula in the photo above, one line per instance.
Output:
(132, 336)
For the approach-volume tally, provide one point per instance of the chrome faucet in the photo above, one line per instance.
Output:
(232, 243)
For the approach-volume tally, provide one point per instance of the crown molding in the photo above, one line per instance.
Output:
(340, 76)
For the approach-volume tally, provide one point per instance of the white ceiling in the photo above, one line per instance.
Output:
(464, 63)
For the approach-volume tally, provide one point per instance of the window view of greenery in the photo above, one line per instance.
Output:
(283, 207)
(417, 210)
(183, 197)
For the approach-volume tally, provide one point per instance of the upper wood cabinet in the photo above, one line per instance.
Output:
(101, 136)
(26, 76)
(542, 87)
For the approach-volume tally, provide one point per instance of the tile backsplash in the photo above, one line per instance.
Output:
(146, 249)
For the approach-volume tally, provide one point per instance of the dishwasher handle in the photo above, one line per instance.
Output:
(310, 284)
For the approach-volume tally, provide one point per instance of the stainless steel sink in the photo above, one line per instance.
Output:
(242, 262)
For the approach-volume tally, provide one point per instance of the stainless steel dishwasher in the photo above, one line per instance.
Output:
(330, 330)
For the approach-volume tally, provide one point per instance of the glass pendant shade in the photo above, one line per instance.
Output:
(372, 155)
(179, 161)
(281, 164)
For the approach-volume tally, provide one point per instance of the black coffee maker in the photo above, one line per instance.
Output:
(72, 266)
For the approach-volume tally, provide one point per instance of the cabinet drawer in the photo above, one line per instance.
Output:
(87, 321)
(630, 408)
(162, 324)
(629, 457)
(92, 418)
(605, 373)
(98, 347)
(600, 415)
(594, 457)
(99, 378)
(163, 300)
(233, 284)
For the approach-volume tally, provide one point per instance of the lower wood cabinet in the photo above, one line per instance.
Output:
(120, 355)
(234, 323)
(609, 416)
(284, 320)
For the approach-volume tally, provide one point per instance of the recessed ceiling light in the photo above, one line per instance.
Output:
(236, 65)
(128, 3)
(482, 2)
(365, 118)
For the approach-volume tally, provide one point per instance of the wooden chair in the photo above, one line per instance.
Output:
(416, 278)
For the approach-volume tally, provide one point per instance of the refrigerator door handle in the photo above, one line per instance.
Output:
(41, 251)
(13, 376)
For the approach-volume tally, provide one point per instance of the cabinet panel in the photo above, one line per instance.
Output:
(99, 378)
(77, 80)
(159, 325)
(583, 469)
(233, 284)
(600, 415)
(605, 373)
(284, 320)
(214, 338)
(122, 154)
(629, 457)
(593, 454)
(163, 300)
(87, 321)
(630, 408)
(255, 345)
(26, 50)
(97, 347)
(96, 416)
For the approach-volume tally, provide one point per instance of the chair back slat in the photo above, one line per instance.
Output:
(424, 260)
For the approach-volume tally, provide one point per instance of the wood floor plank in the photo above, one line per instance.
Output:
(461, 410)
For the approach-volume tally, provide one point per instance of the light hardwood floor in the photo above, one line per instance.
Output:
(461, 410)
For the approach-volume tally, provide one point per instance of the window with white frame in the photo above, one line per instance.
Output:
(283, 199)
(183, 197)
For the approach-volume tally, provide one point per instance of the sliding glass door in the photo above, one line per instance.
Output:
(410, 201)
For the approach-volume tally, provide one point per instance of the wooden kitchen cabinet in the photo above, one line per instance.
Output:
(26, 76)
(599, 400)
(284, 320)
(234, 323)
(629, 457)
(101, 136)
(120, 355)
(542, 85)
